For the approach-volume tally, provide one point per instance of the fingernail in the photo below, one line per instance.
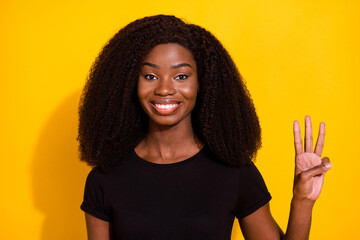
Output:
(328, 165)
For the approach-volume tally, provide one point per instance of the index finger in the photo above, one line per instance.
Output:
(297, 138)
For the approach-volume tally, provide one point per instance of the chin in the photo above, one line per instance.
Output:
(164, 122)
(169, 121)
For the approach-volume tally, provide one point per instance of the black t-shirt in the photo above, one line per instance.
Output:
(197, 198)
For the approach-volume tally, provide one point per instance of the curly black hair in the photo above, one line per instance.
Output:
(112, 121)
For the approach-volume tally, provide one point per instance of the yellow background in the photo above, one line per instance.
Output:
(298, 57)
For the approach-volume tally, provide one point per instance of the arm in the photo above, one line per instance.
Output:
(308, 180)
(97, 229)
(299, 220)
(260, 225)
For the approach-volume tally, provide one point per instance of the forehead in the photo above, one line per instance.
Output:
(169, 54)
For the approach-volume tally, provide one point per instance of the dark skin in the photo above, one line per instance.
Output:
(167, 89)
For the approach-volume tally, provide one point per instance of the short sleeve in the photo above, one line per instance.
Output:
(253, 192)
(93, 202)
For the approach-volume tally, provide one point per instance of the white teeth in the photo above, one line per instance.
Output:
(165, 106)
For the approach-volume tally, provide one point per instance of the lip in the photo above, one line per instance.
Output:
(165, 101)
(168, 106)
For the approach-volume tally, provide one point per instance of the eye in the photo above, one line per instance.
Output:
(181, 77)
(150, 77)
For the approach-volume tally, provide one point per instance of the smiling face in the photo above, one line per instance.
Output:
(168, 85)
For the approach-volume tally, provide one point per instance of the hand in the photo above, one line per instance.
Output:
(309, 167)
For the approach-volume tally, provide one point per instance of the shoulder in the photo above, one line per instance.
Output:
(95, 175)
(244, 171)
(252, 191)
(243, 178)
(250, 172)
(98, 175)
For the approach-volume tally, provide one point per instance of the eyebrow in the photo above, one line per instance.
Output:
(151, 65)
(181, 65)
(174, 66)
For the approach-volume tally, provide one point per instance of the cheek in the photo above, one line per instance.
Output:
(142, 96)
(142, 90)
(191, 91)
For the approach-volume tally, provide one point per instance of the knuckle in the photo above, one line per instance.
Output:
(302, 176)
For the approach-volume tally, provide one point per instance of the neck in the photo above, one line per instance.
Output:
(168, 144)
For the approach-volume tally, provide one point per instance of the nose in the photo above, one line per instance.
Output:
(165, 87)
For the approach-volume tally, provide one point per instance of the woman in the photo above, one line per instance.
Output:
(171, 130)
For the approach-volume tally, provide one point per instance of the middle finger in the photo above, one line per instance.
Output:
(308, 135)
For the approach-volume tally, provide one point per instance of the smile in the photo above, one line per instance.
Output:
(165, 108)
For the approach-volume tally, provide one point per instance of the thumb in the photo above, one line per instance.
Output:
(318, 170)
(325, 160)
